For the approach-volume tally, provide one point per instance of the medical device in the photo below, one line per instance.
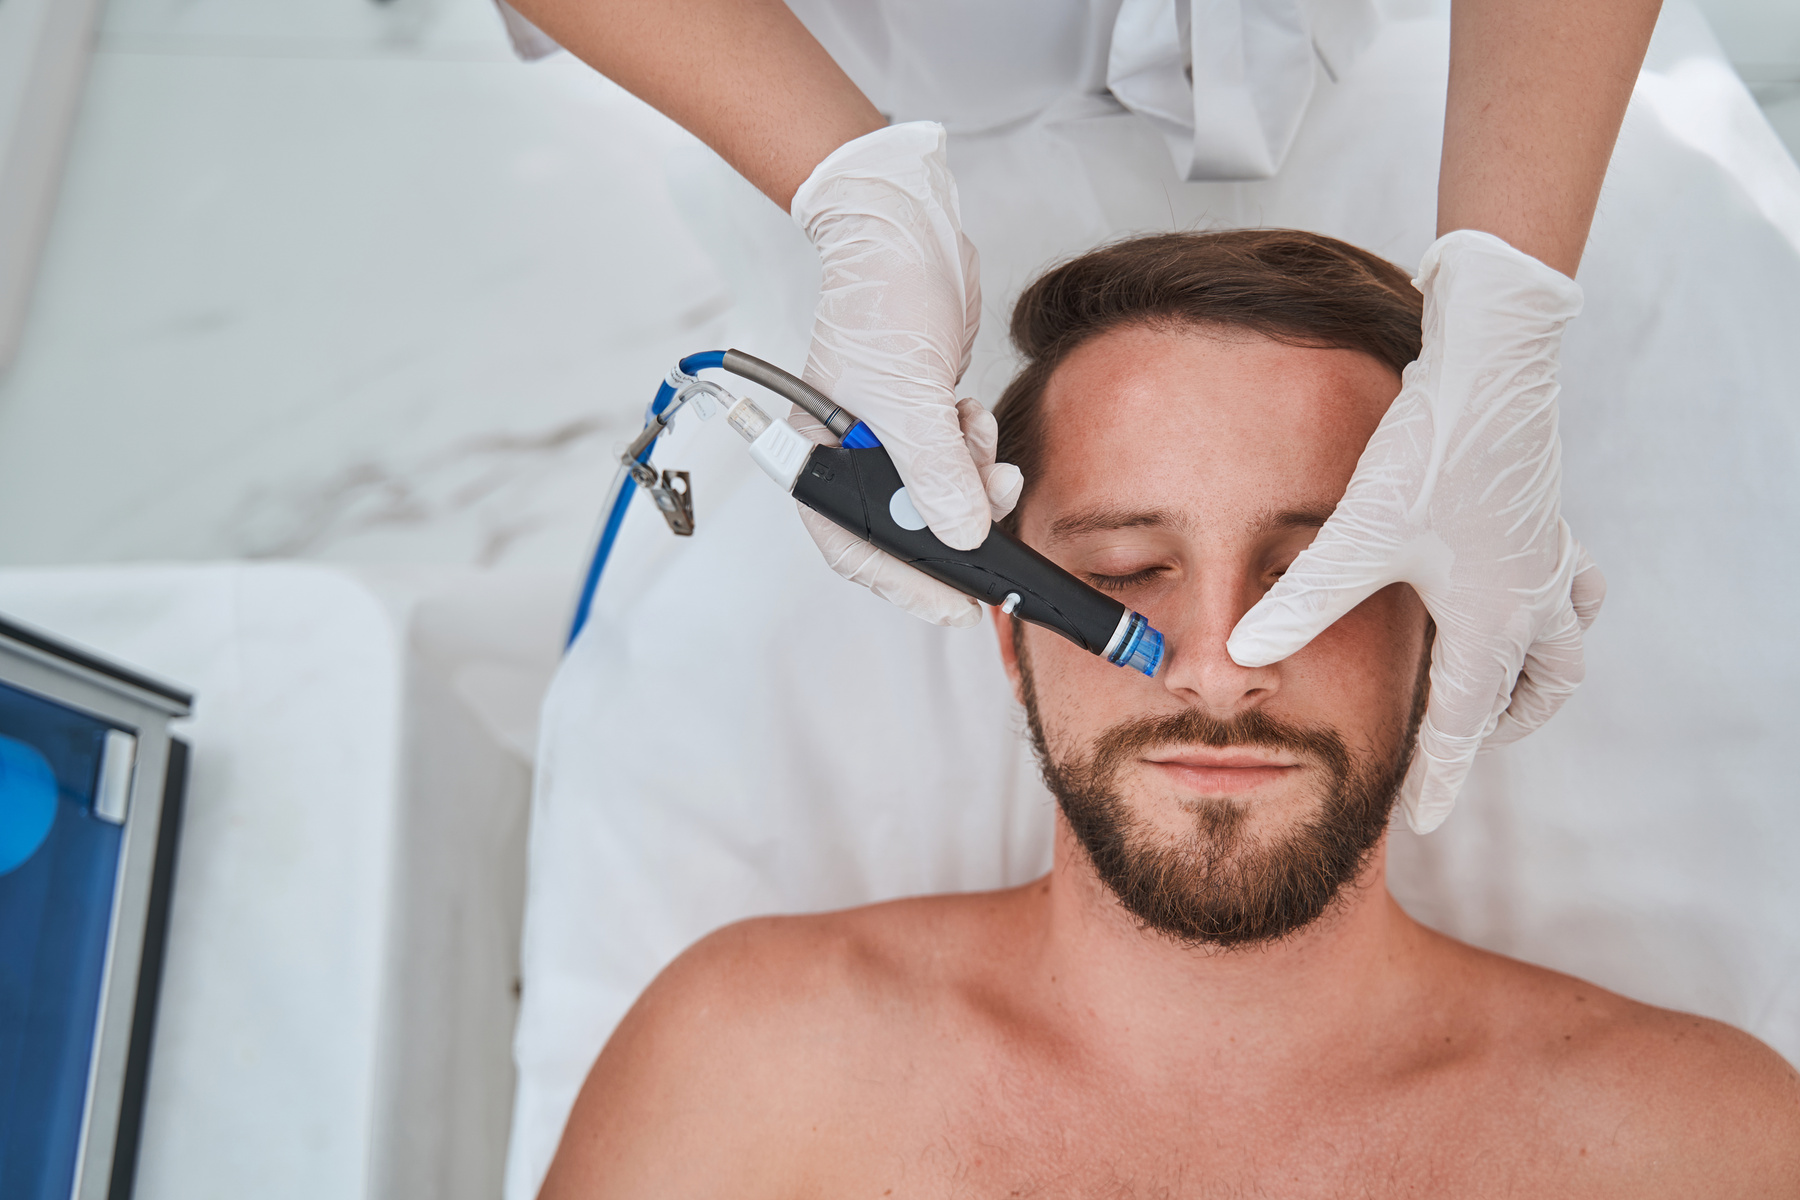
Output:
(855, 485)
(91, 791)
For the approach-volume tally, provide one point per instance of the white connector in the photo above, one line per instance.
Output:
(775, 446)
(780, 451)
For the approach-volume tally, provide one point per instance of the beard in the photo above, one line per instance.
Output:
(1219, 883)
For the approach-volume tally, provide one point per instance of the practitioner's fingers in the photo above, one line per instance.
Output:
(1002, 481)
(979, 430)
(1328, 579)
(1556, 663)
(1468, 686)
(1554, 668)
(809, 427)
(888, 577)
(1588, 592)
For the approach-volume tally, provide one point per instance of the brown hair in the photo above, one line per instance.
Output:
(1300, 288)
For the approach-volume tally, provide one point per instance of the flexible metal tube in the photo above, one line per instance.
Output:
(796, 391)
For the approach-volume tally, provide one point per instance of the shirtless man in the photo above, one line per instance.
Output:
(1212, 994)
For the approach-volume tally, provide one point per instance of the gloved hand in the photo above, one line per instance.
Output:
(1459, 495)
(899, 304)
(882, 573)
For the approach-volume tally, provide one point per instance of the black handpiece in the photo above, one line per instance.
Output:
(861, 490)
(856, 486)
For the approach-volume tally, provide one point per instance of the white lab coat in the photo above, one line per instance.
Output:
(737, 731)
(1225, 82)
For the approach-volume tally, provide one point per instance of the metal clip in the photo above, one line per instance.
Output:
(673, 494)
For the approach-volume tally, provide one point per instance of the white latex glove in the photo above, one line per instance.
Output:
(1458, 494)
(888, 577)
(899, 304)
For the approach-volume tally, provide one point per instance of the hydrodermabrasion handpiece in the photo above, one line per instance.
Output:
(855, 485)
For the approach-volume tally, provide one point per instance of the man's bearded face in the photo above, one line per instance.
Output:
(1223, 804)
(1218, 883)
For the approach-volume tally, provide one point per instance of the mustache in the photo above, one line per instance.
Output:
(1191, 727)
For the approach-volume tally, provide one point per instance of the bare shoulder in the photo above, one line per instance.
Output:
(1703, 1108)
(1650, 1101)
(741, 1050)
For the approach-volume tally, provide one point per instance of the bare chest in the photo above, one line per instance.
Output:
(1023, 1134)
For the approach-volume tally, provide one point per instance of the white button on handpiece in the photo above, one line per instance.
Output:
(900, 507)
(1011, 602)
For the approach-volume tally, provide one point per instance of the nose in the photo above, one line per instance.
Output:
(1197, 668)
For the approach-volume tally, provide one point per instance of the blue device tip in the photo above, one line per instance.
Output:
(1143, 648)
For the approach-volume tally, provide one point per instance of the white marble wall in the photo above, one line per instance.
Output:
(334, 279)
(339, 279)
(342, 280)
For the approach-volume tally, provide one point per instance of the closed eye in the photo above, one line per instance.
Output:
(1119, 583)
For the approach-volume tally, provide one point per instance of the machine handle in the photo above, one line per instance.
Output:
(860, 490)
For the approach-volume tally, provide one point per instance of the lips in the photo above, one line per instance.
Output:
(1234, 759)
(1227, 772)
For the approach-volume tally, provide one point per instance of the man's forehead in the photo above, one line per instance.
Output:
(1156, 427)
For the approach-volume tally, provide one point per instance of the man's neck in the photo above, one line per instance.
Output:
(1325, 989)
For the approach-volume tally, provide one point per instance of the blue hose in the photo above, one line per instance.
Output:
(693, 364)
(706, 360)
(608, 535)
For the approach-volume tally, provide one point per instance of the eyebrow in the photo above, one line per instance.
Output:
(1105, 520)
(1280, 520)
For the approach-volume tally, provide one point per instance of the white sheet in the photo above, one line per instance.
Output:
(738, 732)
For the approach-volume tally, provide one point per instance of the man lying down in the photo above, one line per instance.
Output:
(1212, 993)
